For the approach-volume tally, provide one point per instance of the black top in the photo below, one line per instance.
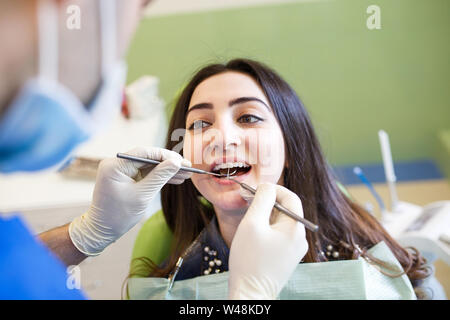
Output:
(209, 254)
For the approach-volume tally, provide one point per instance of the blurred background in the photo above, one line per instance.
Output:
(353, 80)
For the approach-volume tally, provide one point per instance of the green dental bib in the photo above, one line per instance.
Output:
(336, 280)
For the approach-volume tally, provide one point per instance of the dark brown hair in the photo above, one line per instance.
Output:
(340, 219)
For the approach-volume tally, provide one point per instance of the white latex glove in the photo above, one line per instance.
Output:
(121, 197)
(266, 250)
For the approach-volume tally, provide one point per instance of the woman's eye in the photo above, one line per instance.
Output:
(248, 118)
(198, 124)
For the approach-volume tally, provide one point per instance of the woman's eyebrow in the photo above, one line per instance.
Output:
(207, 105)
(204, 105)
(247, 99)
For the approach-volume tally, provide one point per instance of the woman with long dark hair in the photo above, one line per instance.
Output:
(242, 117)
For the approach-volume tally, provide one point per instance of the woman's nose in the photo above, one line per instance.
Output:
(225, 137)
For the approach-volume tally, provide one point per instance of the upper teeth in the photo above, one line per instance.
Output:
(231, 165)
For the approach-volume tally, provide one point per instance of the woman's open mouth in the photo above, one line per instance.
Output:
(233, 169)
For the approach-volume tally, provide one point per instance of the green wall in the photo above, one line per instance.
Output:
(353, 81)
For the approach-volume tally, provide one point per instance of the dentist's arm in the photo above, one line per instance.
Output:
(265, 251)
(119, 202)
(58, 241)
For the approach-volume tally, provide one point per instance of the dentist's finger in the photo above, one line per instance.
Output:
(289, 200)
(160, 175)
(176, 180)
(262, 204)
(246, 195)
(283, 222)
(140, 169)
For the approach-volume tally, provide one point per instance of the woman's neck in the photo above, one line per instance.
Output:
(228, 221)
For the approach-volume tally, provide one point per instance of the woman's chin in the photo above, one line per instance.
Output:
(230, 202)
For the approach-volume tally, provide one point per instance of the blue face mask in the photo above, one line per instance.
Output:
(46, 121)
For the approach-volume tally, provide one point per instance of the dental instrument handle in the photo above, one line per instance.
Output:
(156, 162)
(388, 167)
(311, 226)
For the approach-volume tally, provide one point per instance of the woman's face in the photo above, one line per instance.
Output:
(230, 124)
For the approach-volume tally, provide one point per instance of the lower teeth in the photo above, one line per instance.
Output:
(227, 172)
(231, 172)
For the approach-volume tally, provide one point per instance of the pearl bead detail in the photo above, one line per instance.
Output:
(331, 252)
(211, 263)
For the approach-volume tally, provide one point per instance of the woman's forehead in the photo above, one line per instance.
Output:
(226, 86)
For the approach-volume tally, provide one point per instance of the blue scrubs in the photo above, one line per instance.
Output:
(28, 270)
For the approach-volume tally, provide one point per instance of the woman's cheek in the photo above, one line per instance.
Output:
(187, 152)
(271, 155)
(193, 147)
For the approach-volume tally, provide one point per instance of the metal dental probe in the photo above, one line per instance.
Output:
(311, 226)
(151, 161)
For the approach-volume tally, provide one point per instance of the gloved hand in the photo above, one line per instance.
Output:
(266, 250)
(121, 197)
